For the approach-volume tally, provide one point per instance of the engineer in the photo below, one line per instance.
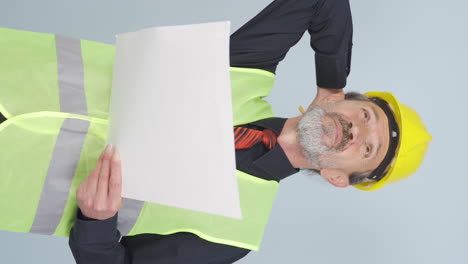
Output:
(366, 140)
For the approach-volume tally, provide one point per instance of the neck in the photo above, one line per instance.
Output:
(289, 141)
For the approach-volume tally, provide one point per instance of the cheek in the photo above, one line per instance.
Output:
(345, 160)
(349, 158)
(352, 152)
(353, 162)
(350, 113)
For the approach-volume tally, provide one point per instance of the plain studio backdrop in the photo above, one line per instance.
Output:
(414, 49)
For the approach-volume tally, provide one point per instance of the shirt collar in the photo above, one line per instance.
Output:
(275, 162)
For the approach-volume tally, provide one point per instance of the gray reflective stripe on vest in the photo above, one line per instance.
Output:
(69, 144)
(59, 177)
(128, 215)
(70, 75)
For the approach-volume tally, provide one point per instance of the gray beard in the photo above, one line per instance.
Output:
(310, 131)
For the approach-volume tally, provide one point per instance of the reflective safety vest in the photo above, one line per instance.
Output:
(54, 92)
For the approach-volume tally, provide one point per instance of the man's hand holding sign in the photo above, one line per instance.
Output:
(99, 196)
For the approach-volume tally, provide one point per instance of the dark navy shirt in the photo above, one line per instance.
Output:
(261, 43)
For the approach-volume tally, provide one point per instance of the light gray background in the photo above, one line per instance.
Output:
(415, 49)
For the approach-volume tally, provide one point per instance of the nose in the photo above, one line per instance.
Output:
(357, 130)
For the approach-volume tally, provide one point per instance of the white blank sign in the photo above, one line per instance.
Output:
(171, 117)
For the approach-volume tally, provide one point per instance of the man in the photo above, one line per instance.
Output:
(354, 141)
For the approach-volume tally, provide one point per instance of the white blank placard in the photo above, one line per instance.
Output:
(171, 117)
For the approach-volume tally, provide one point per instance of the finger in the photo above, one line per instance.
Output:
(92, 179)
(103, 181)
(115, 181)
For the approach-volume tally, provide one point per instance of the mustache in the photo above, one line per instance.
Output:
(346, 133)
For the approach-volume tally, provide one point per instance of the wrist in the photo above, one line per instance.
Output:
(329, 90)
(81, 216)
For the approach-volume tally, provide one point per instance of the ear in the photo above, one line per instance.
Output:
(335, 177)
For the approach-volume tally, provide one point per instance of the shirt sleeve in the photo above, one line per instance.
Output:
(179, 248)
(99, 241)
(96, 241)
(265, 40)
(331, 33)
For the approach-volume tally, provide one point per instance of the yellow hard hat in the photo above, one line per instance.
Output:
(412, 140)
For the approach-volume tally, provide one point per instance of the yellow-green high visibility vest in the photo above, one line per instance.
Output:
(54, 92)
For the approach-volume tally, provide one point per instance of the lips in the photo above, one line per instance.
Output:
(333, 130)
(338, 132)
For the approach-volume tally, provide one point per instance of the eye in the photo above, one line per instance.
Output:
(366, 115)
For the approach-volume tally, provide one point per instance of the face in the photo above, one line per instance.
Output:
(348, 136)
